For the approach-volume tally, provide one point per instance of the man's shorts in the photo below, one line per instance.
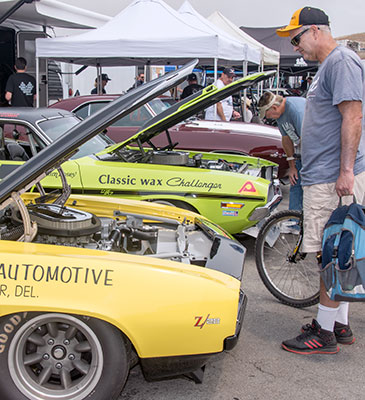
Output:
(318, 203)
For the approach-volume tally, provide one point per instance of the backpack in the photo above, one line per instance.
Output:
(343, 254)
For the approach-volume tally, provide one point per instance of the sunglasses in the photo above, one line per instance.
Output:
(296, 39)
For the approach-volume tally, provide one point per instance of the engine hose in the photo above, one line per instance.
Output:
(138, 234)
(115, 236)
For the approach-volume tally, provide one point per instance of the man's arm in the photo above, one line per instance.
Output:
(288, 147)
(351, 112)
(220, 112)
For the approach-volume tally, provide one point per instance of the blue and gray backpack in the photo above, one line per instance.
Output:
(343, 254)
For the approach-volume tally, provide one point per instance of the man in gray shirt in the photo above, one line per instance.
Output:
(333, 159)
(288, 112)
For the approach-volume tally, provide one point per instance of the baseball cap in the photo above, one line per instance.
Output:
(266, 101)
(192, 77)
(229, 72)
(105, 77)
(304, 16)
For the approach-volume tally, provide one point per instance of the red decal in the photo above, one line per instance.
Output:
(198, 320)
(248, 187)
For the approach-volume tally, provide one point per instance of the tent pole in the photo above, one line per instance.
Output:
(215, 79)
(37, 81)
(277, 78)
(99, 87)
(244, 108)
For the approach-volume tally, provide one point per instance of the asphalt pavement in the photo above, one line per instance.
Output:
(257, 368)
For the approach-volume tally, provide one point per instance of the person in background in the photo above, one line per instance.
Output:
(104, 80)
(192, 87)
(223, 110)
(20, 90)
(138, 82)
(288, 112)
(333, 159)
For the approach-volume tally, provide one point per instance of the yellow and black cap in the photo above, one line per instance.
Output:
(304, 16)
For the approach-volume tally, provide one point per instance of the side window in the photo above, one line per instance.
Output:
(83, 111)
(136, 118)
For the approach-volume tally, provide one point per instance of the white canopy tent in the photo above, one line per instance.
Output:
(226, 41)
(147, 31)
(268, 56)
(53, 13)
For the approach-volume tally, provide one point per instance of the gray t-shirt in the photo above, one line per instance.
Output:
(341, 77)
(290, 121)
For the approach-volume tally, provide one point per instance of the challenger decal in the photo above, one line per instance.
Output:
(60, 274)
(248, 187)
(209, 321)
(176, 181)
(196, 183)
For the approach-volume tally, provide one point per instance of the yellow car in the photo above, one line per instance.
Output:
(90, 286)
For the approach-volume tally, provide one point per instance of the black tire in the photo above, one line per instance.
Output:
(48, 356)
(289, 274)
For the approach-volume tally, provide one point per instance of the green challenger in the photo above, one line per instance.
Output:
(233, 191)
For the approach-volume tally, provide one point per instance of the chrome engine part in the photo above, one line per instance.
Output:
(67, 226)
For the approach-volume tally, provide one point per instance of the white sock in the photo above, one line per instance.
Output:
(326, 317)
(343, 313)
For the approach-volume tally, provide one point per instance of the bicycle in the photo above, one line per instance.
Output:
(291, 275)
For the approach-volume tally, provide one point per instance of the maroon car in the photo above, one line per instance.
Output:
(256, 140)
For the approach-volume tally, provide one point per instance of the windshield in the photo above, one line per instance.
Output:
(57, 127)
(158, 105)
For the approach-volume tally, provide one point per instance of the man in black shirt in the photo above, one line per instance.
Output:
(104, 80)
(21, 87)
(192, 87)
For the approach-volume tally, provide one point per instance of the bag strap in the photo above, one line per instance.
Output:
(340, 200)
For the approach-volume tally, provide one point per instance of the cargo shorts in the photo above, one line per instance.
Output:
(318, 203)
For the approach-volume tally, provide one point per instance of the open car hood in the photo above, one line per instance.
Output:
(190, 106)
(24, 177)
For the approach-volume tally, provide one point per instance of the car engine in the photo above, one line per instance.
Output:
(60, 225)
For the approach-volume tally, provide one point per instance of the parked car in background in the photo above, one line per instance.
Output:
(232, 190)
(257, 140)
(91, 286)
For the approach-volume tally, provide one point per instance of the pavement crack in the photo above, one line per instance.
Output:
(259, 368)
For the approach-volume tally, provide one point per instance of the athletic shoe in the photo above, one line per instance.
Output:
(343, 333)
(313, 340)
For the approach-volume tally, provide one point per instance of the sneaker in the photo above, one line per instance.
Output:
(314, 340)
(343, 333)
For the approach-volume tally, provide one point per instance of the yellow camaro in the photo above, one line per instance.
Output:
(89, 286)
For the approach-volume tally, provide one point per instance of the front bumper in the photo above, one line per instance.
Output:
(231, 341)
(274, 198)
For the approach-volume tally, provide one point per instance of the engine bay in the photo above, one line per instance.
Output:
(66, 226)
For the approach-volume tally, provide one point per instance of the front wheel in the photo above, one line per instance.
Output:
(60, 356)
(289, 274)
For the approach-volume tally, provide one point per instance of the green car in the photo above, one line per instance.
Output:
(231, 190)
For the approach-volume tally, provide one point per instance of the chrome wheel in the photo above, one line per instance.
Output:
(55, 356)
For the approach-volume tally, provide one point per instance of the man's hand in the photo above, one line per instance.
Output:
(345, 184)
(293, 175)
(236, 114)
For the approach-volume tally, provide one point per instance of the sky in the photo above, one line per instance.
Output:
(346, 17)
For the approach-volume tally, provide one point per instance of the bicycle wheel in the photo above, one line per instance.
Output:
(289, 274)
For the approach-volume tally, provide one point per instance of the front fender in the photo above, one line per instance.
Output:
(165, 308)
